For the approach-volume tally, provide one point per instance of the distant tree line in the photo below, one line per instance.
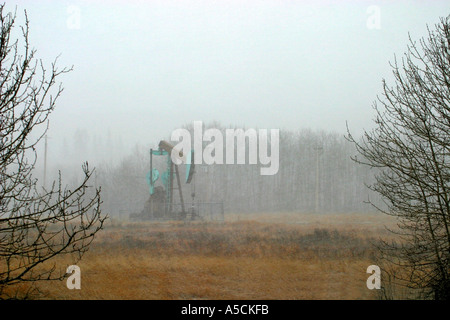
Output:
(315, 174)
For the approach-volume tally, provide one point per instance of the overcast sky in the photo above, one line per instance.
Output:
(145, 68)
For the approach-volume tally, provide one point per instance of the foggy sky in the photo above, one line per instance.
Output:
(145, 68)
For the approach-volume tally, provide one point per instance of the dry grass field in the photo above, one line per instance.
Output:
(264, 256)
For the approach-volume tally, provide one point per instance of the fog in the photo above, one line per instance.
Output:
(142, 69)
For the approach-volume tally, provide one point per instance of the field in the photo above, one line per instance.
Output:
(264, 256)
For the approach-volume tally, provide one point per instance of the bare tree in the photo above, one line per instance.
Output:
(410, 147)
(36, 224)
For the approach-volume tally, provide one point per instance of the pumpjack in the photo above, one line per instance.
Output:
(160, 204)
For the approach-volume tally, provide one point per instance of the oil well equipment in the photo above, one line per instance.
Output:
(161, 203)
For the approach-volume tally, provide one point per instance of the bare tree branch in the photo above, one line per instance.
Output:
(36, 225)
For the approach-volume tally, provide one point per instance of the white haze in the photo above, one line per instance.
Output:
(145, 68)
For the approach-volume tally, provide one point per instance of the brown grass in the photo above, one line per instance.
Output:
(266, 256)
